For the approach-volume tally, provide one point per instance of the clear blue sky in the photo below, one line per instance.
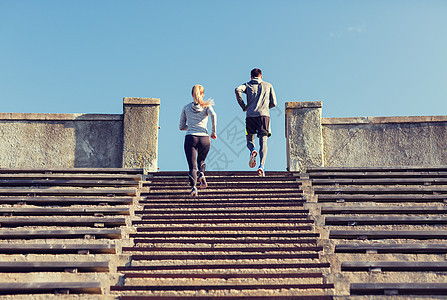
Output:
(361, 58)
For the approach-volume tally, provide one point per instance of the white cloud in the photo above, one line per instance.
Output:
(355, 29)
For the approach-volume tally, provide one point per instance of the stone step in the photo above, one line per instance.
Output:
(65, 183)
(71, 171)
(380, 181)
(81, 248)
(372, 174)
(396, 266)
(64, 211)
(85, 221)
(395, 289)
(395, 210)
(60, 234)
(222, 249)
(294, 296)
(382, 220)
(33, 192)
(62, 200)
(54, 266)
(427, 190)
(58, 288)
(379, 198)
(392, 248)
(227, 241)
(388, 234)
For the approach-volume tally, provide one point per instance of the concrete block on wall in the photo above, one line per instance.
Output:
(141, 117)
(304, 139)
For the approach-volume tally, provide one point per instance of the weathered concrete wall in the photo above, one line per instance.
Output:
(82, 140)
(361, 142)
(385, 141)
(60, 140)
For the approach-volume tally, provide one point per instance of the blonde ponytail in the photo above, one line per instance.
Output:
(197, 93)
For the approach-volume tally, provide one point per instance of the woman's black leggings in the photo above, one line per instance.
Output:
(196, 150)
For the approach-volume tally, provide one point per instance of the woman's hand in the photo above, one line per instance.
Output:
(213, 136)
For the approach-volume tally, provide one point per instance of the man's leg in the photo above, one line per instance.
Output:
(263, 149)
(264, 132)
(250, 142)
(253, 152)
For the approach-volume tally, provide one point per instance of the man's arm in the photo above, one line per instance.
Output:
(272, 98)
(239, 90)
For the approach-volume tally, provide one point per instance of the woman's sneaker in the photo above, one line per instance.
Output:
(194, 191)
(202, 180)
(261, 171)
(252, 162)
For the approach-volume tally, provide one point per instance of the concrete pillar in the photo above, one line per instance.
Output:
(140, 145)
(304, 135)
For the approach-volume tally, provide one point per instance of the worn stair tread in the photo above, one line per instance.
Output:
(391, 248)
(221, 173)
(397, 266)
(223, 196)
(222, 228)
(222, 205)
(229, 201)
(378, 174)
(378, 169)
(66, 182)
(223, 235)
(65, 211)
(227, 266)
(380, 190)
(383, 220)
(222, 221)
(68, 192)
(379, 181)
(143, 257)
(58, 234)
(388, 234)
(57, 248)
(270, 297)
(412, 288)
(224, 216)
(383, 198)
(53, 266)
(72, 170)
(84, 287)
(220, 287)
(224, 241)
(61, 221)
(224, 275)
(218, 210)
(383, 210)
(66, 201)
(71, 176)
(221, 249)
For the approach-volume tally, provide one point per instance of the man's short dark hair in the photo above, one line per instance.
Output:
(256, 73)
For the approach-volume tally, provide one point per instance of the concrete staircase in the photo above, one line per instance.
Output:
(61, 231)
(243, 237)
(383, 230)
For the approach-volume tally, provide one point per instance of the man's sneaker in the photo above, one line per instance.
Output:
(202, 179)
(261, 171)
(194, 191)
(252, 162)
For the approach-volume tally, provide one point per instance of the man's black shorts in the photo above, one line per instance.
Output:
(257, 125)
